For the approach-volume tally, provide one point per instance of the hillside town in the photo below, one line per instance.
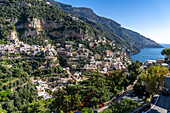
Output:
(58, 58)
(94, 62)
(109, 61)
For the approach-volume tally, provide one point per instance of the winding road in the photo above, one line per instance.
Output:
(164, 102)
(119, 98)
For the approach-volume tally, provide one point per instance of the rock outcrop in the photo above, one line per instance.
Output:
(14, 36)
(35, 25)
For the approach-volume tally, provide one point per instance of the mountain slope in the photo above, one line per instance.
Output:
(114, 28)
(36, 21)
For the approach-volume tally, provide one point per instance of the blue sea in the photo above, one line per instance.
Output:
(149, 53)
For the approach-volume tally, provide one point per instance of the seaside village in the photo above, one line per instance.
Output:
(111, 60)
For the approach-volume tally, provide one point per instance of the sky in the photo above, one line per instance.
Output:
(150, 18)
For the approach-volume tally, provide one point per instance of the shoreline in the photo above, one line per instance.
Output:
(149, 54)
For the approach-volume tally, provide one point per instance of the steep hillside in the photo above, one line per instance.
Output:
(111, 36)
(138, 40)
(114, 29)
(36, 21)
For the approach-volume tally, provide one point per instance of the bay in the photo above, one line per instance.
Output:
(149, 54)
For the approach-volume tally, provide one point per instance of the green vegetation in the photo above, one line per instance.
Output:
(87, 94)
(134, 70)
(37, 39)
(3, 42)
(20, 98)
(6, 29)
(124, 106)
(12, 77)
(2, 110)
(92, 92)
(154, 79)
(41, 106)
(15, 92)
(25, 11)
(32, 67)
(166, 51)
(140, 89)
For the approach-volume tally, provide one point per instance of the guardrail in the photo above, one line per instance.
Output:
(140, 108)
(153, 105)
(147, 104)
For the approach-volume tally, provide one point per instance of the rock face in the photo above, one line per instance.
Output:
(51, 27)
(39, 24)
(35, 23)
(110, 28)
(14, 36)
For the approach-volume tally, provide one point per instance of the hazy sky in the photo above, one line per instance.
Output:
(150, 18)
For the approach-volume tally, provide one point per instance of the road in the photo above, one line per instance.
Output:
(164, 102)
(119, 98)
(129, 90)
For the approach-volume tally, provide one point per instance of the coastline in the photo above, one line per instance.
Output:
(149, 53)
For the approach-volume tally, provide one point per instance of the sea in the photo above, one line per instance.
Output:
(149, 54)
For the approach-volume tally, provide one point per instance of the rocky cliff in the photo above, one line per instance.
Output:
(110, 28)
(54, 29)
(34, 21)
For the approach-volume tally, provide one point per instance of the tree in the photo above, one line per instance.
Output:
(87, 110)
(166, 51)
(18, 104)
(134, 70)
(11, 85)
(17, 72)
(1, 88)
(140, 89)
(63, 61)
(61, 111)
(2, 110)
(62, 101)
(39, 71)
(6, 87)
(95, 90)
(4, 95)
(9, 106)
(124, 106)
(37, 107)
(1, 83)
(76, 101)
(154, 79)
(60, 69)
(117, 80)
